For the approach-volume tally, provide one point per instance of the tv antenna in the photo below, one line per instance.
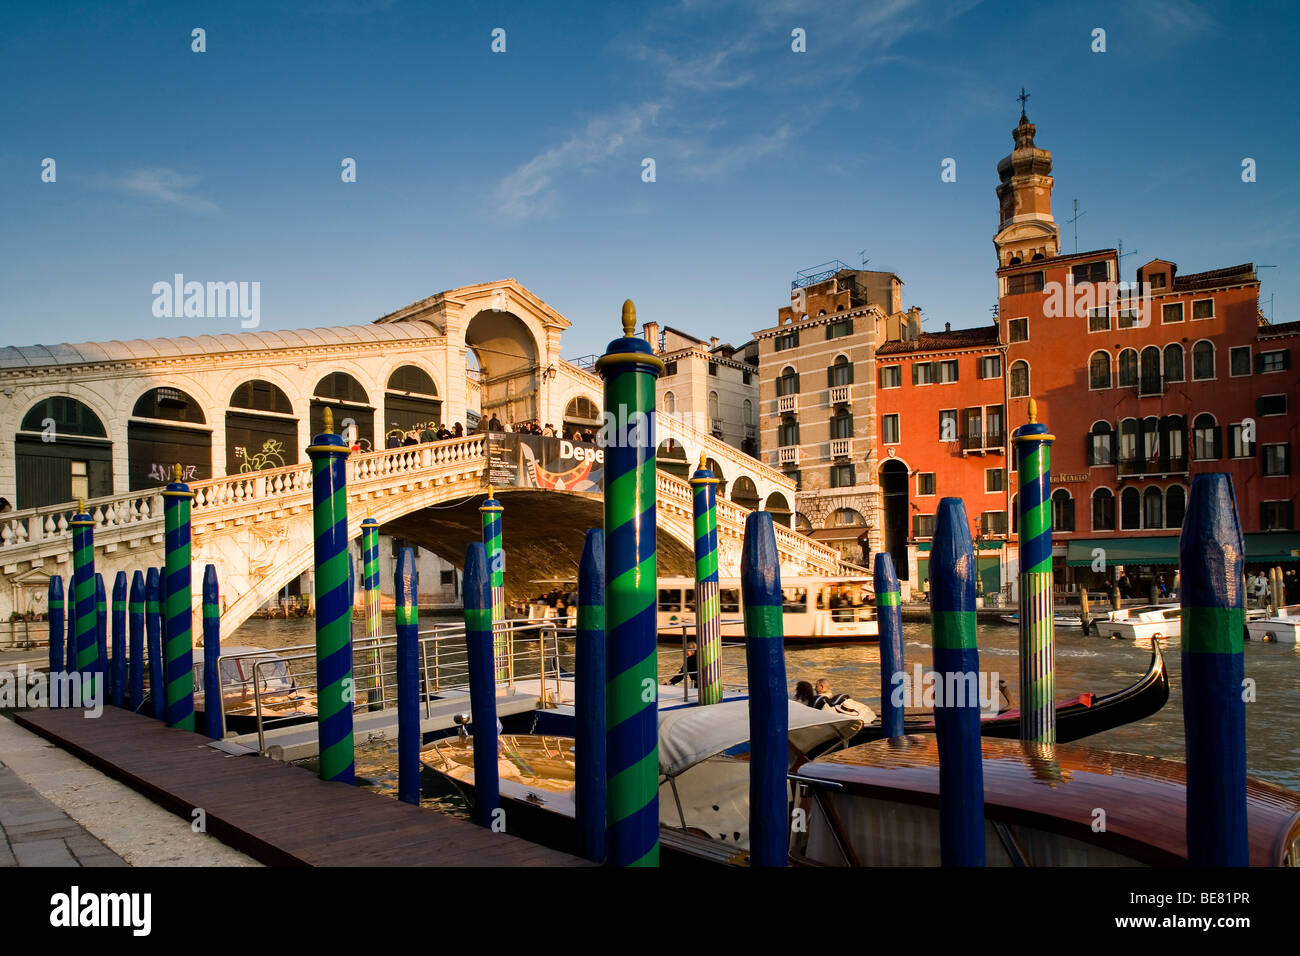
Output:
(863, 254)
(1120, 257)
(1270, 296)
(1075, 221)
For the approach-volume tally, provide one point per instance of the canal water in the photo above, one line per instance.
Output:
(1083, 665)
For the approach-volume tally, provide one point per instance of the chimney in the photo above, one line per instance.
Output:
(713, 341)
(947, 326)
(650, 332)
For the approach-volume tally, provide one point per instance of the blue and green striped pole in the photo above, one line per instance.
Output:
(117, 669)
(1210, 553)
(769, 714)
(329, 493)
(213, 718)
(629, 369)
(956, 700)
(100, 666)
(55, 603)
(589, 699)
(708, 615)
(889, 619)
(370, 585)
(135, 626)
(409, 737)
(1033, 448)
(153, 627)
(70, 645)
(477, 594)
(178, 604)
(491, 512)
(83, 586)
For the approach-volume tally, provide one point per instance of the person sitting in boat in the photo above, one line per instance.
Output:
(827, 699)
(803, 693)
(690, 670)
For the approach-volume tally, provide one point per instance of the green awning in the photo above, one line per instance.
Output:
(1124, 551)
(1274, 546)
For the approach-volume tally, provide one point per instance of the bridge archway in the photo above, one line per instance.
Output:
(713, 465)
(671, 458)
(167, 427)
(745, 493)
(261, 428)
(410, 402)
(582, 413)
(346, 398)
(506, 351)
(779, 507)
(62, 452)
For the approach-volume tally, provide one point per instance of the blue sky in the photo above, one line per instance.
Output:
(473, 166)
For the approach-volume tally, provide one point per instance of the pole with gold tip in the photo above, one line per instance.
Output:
(491, 511)
(708, 618)
(1033, 445)
(178, 604)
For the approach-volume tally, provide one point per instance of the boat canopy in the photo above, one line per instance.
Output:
(693, 733)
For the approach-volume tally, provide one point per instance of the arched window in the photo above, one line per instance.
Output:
(411, 403)
(260, 396)
(348, 403)
(1173, 443)
(260, 430)
(412, 380)
(1130, 509)
(1153, 508)
(1062, 510)
(1203, 361)
(715, 416)
(1128, 444)
(749, 412)
(1101, 444)
(670, 403)
(787, 383)
(779, 508)
(61, 453)
(341, 387)
(1207, 438)
(670, 456)
(582, 409)
(1128, 368)
(165, 431)
(1099, 370)
(169, 404)
(1150, 384)
(1015, 514)
(1175, 506)
(1174, 364)
(1020, 379)
(745, 493)
(842, 424)
(1103, 510)
(840, 372)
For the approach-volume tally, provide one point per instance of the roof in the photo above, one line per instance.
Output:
(1145, 797)
(1282, 328)
(985, 335)
(35, 356)
(1215, 277)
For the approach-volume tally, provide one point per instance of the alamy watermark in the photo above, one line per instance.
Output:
(929, 689)
(211, 300)
(32, 688)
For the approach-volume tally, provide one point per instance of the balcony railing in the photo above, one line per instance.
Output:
(788, 455)
(787, 403)
(991, 442)
(715, 426)
(841, 447)
(839, 394)
(1158, 465)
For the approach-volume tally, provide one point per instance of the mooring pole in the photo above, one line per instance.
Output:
(889, 619)
(491, 511)
(135, 626)
(1085, 615)
(70, 645)
(708, 617)
(54, 601)
(178, 604)
(212, 702)
(117, 670)
(769, 713)
(1214, 715)
(370, 584)
(83, 586)
(329, 494)
(1033, 449)
(101, 638)
(956, 663)
(589, 699)
(406, 591)
(153, 627)
(629, 369)
(477, 591)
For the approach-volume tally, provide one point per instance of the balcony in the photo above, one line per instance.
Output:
(841, 447)
(979, 444)
(787, 455)
(839, 394)
(715, 426)
(1140, 466)
(787, 403)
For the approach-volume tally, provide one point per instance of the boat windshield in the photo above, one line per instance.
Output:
(272, 672)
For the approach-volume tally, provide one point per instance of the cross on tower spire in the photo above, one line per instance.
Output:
(1024, 100)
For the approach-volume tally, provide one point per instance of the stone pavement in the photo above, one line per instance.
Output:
(34, 832)
(57, 811)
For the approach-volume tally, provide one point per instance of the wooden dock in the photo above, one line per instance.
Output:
(277, 813)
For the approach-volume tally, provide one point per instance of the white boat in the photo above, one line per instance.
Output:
(1058, 620)
(815, 610)
(1159, 621)
(1283, 628)
(253, 676)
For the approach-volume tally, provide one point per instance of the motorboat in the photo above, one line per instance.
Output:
(703, 771)
(1283, 627)
(253, 677)
(1158, 621)
(877, 804)
(814, 610)
(1058, 620)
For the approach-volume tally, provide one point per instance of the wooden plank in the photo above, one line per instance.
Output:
(277, 813)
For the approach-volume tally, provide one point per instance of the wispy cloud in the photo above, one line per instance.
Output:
(166, 186)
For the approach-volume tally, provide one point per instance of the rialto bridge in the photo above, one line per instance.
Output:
(106, 421)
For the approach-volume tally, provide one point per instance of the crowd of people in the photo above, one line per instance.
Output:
(397, 438)
(534, 427)
(427, 432)
(1259, 589)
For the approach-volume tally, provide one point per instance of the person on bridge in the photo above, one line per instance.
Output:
(494, 423)
(458, 431)
(690, 670)
(443, 432)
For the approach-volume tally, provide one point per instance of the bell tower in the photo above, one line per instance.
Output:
(1027, 230)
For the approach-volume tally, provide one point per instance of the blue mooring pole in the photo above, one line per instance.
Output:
(212, 702)
(889, 618)
(956, 662)
(135, 627)
(54, 602)
(769, 710)
(477, 591)
(117, 682)
(407, 609)
(153, 627)
(589, 699)
(100, 666)
(1214, 713)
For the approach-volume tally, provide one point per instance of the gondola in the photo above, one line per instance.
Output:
(1076, 718)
